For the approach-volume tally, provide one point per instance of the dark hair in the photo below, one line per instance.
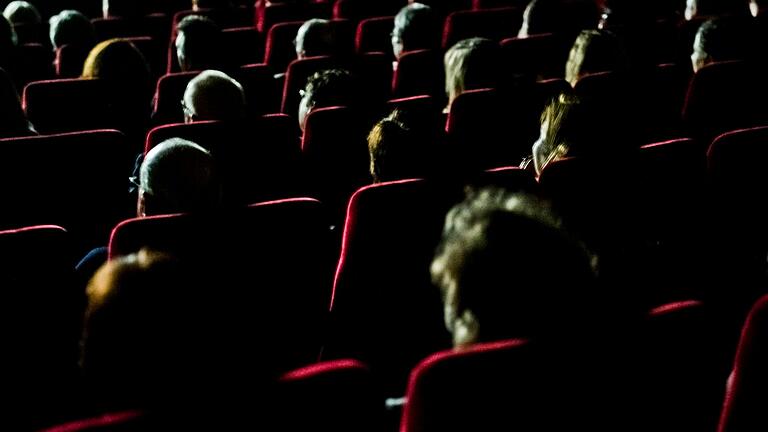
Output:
(416, 27)
(544, 16)
(395, 150)
(202, 43)
(332, 87)
(723, 39)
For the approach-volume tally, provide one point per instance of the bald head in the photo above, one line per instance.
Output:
(178, 176)
(314, 38)
(213, 95)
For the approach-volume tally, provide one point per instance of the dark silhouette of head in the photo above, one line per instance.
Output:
(542, 16)
(471, 64)
(22, 12)
(214, 95)
(595, 51)
(140, 330)
(211, 4)
(198, 43)
(70, 27)
(315, 38)
(507, 269)
(328, 88)
(178, 176)
(8, 40)
(719, 39)
(118, 61)
(416, 27)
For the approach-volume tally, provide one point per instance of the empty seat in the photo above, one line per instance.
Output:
(280, 49)
(269, 14)
(373, 35)
(385, 309)
(245, 45)
(168, 95)
(495, 24)
(338, 395)
(67, 105)
(111, 422)
(747, 394)
(97, 162)
(541, 55)
(271, 265)
(260, 158)
(419, 72)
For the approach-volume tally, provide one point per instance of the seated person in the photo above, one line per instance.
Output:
(213, 95)
(315, 38)
(595, 51)
(198, 44)
(416, 27)
(471, 64)
(328, 88)
(70, 27)
(396, 151)
(718, 39)
(507, 269)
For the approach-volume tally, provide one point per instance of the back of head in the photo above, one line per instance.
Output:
(178, 176)
(8, 40)
(315, 38)
(699, 8)
(507, 269)
(471, 64)
(71, 27)
(198, 43)
(542, 16)
(328, 88)
(720, 39)
(119, 62)
(416, 27)
(595, 51)
(395, 150)
(130, 9)
(214, 95)
(139, 329)
(22, 12)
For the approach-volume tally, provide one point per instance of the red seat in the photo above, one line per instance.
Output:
(113, 422)
(168, 95)
(357, 10)
(245, 45)
(67, 105)
(373, 35)
(495, 24)
(419, 72)
(280, 50)
(70, 60)
(269, 14)
(541, 55)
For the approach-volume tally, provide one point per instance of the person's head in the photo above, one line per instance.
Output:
(507, 269)
(541, 16)
(70, 27)
(395, 150)
(328, 88)
(595, 51)
(213, 95)
(718, 39)
(118, 61)
(582, 128)
(198, 43)
(22, 12)
(314, 38)
(139, 329)
(471, 64)
(211, 4)
(698, 8)
(178, 176)
(416, 27)
(125, 8)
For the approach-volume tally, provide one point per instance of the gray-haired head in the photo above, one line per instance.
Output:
(214, 95)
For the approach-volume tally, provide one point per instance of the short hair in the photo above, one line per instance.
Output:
(416, 27)
(214, 95)
(201, 45)
(395, 151)
(179, 176)
(506, 258)
(595, 51)
(471, 64)
(722, 39)
(332, 87)
(315, 38)
(22, 12)
(140, 327)
(70, 27)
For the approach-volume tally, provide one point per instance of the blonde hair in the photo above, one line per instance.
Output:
(469, 65)
(594, 51)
